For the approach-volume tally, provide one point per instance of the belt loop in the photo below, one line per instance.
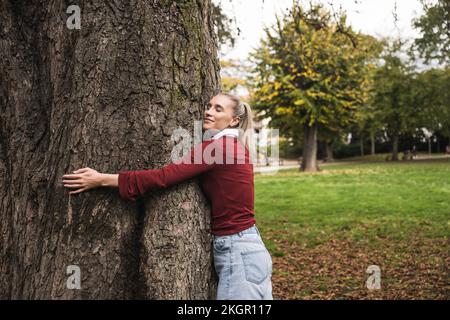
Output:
(240, 234)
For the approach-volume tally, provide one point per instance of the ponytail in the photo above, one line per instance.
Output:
(247, 135)
(246, 127)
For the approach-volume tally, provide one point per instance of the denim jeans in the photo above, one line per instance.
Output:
(243, 265)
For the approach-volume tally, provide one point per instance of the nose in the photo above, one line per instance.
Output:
(207, 112)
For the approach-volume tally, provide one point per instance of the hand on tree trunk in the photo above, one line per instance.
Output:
(82, 180)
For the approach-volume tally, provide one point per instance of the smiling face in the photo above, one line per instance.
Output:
(219, 114)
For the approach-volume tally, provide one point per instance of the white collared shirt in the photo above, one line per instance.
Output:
(232, 132)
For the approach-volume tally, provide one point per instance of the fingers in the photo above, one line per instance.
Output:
(76, 173)
(72, 176)
(72, 181)
(75, 181)
(77, 191)
(73, 186)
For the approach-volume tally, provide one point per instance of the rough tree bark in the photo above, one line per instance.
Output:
(107, 96)
(309, 157)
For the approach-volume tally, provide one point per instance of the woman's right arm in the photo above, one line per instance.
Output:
(87, 178)
(133, 184)
(109, 180)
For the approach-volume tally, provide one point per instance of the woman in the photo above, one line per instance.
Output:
(241, 260)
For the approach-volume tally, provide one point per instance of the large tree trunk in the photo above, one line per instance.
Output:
(309, 158)
(107, 96)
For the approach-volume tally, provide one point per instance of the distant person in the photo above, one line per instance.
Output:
(447, 150)
(414, 152)
(406, 154)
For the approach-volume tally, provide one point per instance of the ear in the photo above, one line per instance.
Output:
(235, 122)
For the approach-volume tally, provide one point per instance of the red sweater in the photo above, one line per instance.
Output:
(226, 178)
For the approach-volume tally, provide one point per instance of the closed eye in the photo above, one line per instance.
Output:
(217, 107)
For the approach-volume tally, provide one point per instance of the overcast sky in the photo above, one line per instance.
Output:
(374, 17)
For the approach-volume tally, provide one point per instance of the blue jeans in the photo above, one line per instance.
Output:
(243, 265)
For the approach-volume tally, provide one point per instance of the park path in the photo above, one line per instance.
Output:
(292, 164)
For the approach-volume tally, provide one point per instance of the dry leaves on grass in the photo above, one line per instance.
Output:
(415, 269)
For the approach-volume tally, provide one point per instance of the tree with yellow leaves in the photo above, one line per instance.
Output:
(312, 71)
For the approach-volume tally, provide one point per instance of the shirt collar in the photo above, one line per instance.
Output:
(232, 132)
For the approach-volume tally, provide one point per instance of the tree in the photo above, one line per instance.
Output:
(107, 96)
(434, 27)
(431, 96)
(225, 32)
(310, 73)
(330, 137)
(371, 123)
(392, 96)
(233, 74)
(370, 119)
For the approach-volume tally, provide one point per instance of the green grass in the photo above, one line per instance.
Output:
(362, 201)
(382, 156)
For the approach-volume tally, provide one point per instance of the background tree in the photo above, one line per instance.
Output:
(310, 73)
(431, 96)
(434, 27)
(107, 96)
(369, 118)
(371, 124)
(392, 96)
(233, 75)
(226, 33)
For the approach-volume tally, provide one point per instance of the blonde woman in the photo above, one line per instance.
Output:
(225, 166)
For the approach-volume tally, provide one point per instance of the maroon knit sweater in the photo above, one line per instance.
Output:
(226, 178)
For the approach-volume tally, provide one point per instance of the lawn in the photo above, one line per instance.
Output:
(348, 216)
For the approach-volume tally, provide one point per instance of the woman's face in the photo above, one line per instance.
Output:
(219, 114)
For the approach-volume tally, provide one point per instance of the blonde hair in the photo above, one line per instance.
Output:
(246, 132)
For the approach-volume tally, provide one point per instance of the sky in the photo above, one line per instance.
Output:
(374, 17)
